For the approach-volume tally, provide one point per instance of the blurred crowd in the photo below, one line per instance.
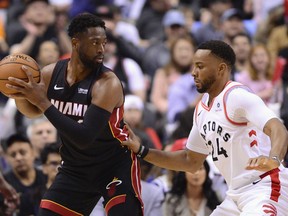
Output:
(150, 48)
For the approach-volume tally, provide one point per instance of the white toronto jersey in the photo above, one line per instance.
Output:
(231, 130)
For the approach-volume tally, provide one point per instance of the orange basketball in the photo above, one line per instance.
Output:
(10, 66)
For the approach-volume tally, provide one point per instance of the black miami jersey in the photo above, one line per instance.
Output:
(73, 102)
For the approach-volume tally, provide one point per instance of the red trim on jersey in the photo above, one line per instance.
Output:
(136, 178)
(57, 208)
(204, 98)
(275, 183)
(115, 201)
(114, 123)
(196, 112)
(224, 104)
(206, 95)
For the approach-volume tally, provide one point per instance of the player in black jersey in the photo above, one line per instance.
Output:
(84, 100)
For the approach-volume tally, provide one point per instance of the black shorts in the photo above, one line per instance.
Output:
(119, 185)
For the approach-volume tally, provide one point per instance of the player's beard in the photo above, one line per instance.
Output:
(87, 62)
(206, 84)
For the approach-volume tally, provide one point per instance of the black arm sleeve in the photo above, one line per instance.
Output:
(80, 135)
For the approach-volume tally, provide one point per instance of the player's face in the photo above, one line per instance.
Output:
(204, 70)
(92, 46)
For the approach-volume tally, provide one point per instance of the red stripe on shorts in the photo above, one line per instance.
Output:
(57, 208)
(115, 201)
(275, 183)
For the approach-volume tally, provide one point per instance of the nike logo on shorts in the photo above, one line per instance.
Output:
(255, 182)
(58, 88)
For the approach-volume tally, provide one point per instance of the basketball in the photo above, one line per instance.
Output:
(11, 66)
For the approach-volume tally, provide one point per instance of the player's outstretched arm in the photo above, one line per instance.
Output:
(279, 142)
(182, 160)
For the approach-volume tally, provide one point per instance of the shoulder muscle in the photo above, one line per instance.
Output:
(107, 92)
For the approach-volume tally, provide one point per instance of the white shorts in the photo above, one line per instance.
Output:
(266, 197)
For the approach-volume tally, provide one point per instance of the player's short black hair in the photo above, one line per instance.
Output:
(17, 137)
(82, 22)
(50, 148)
(221, 50)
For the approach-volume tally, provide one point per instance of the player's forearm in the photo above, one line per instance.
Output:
(178, 161)
(279, 140)
(81, 135)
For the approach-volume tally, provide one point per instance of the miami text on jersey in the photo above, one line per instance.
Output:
(70, 108)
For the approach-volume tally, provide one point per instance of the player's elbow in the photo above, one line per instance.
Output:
(194, 161)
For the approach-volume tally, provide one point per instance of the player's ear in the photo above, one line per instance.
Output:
(222, 68)
(74, 42)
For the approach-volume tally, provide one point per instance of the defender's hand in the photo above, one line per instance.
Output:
(133, 141)
(262, 163)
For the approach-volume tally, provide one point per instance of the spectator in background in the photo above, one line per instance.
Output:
(24, 177)
(265, 26)
(82, 6)
(241, 44)
(212, 30)
(40, 131)
(7, 122)
(158, 54)
(61, 5)
(51, 160)
(124, 34)
(192, 25)
(261, 8)
(278, 39)
(35, 25)
(191, 194)
(181, 95)
(181, 61)
(232, 24)
(134, 109)
(48, 53)
(258, 77)
(112, 16)
(4, 48)
(126, 69)
(149, 22)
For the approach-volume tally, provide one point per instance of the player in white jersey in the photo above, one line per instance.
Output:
(246, 139)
